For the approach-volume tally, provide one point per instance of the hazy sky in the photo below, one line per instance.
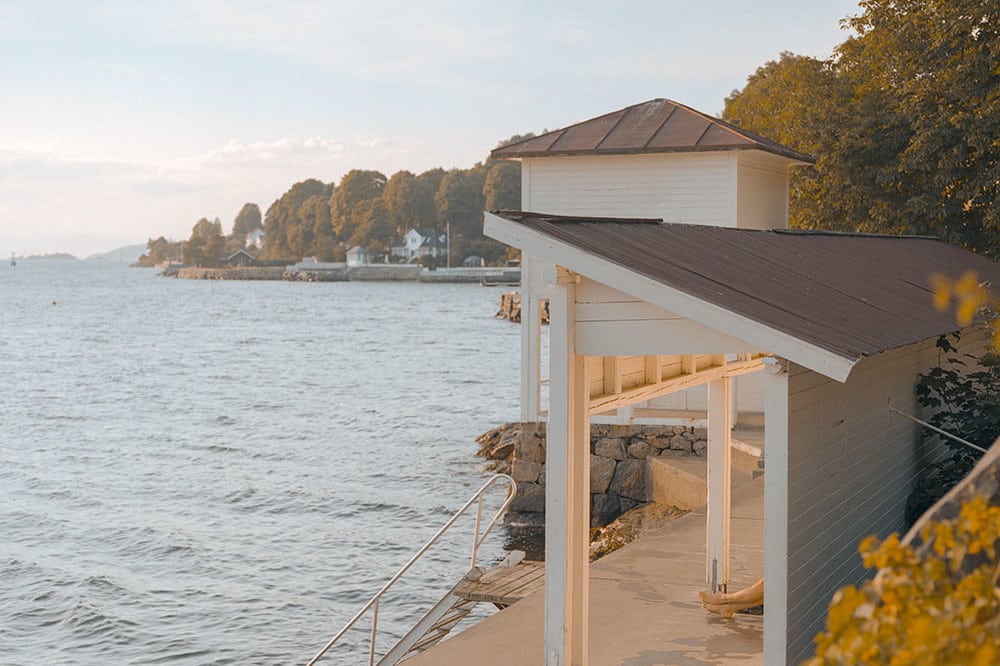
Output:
(121, 121)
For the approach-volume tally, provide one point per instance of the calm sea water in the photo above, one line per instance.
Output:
(223, 472)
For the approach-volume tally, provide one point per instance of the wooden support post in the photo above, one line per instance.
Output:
(719, 484)
(567, 492)
(776, 511)
(531, 340)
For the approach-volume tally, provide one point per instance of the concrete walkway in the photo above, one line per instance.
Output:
(644, 606)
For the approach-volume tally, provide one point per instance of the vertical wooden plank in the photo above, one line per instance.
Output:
(776, 411)
(612, 375)
(567, 493)
(652, 369)
(719, 484)
(689, 364)
(531, 341)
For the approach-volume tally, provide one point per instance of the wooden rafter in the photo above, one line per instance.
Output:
(630, 396)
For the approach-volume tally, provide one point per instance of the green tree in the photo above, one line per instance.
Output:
(502, 188)
(373, 229)
(903, 122)
(460, 205)
(290, 228)
(931, 67)
(205, 244)
(409, 201)
(247, 220)
(356, 187)
(159, 250)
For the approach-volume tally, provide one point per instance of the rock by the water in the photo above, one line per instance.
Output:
(630, 480)
(602, 470)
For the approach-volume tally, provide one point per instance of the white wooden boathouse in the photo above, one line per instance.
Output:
(659, 236)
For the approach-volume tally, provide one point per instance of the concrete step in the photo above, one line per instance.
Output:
(683, 482)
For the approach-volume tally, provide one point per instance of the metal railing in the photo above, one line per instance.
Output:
(477, 541)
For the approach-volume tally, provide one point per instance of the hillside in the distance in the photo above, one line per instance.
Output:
(128, 254)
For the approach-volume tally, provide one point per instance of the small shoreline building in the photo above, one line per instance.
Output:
(659, 236)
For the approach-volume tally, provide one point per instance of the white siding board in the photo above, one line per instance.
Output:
(762, 196)
(851, 465)
(658, 336)
(684, 188)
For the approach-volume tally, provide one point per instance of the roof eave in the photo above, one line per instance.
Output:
(535, 243)
(795, 158)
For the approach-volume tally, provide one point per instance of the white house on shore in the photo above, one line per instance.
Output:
(422, 243)
(659, 236)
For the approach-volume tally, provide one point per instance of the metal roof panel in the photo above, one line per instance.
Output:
(854, 295)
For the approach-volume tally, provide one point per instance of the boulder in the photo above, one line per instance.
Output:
(639, 449)
(603, 509)
(610, 448)
(525, 471)
(530, 445)
(530, 498)
(630, 480)
(602, 470)
(679, 443)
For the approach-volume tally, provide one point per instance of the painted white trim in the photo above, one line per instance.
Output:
(567, 492)
(776, 512)
(758, 335)
(531, 342)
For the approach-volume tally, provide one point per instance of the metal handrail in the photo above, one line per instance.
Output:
(477, 541)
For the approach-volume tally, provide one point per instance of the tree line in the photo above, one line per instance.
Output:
(366, 209)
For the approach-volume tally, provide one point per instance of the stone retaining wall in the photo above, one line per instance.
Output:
(619, 465)
(247, 273)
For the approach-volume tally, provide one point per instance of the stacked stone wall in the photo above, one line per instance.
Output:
(619, 465)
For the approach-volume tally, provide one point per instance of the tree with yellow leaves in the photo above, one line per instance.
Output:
(935, 598)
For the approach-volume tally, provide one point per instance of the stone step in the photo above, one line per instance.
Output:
(682, 482)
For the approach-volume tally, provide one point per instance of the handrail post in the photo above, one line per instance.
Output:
(475, 534)
(371, 643)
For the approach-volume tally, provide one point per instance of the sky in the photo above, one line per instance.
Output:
(124, 121)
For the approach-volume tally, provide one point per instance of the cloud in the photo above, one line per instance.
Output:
(269, 153)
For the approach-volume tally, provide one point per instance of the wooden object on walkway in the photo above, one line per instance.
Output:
(502, 586)
(727, 604)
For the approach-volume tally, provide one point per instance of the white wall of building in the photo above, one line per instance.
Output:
(692, 188)
(851, 466)
(762, 191)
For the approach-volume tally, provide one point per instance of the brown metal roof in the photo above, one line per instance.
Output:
(851, 294)
(656, 126)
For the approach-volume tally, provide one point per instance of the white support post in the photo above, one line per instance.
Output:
(776, 511)
(567, 481)
(531, 341)
(719, 484)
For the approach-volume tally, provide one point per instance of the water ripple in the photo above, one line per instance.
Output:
(221, 473)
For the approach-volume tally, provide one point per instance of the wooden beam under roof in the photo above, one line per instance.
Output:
(672, 384)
